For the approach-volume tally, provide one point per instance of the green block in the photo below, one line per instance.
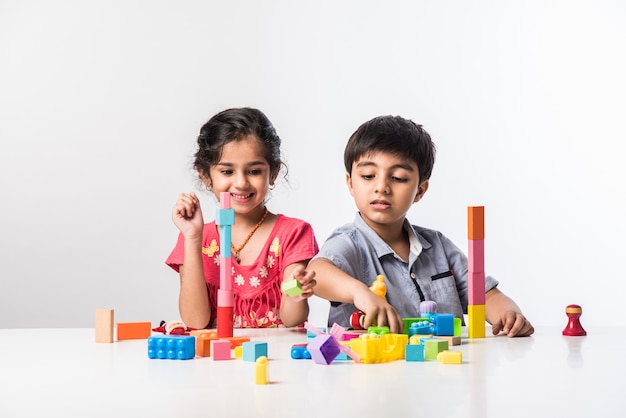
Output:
(408, 321)
(433, 346)
(291, 287)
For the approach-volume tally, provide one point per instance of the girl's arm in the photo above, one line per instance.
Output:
(294, 310)
(193, 300)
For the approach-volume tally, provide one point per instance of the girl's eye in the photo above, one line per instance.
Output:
(226, 172)
(255, 172)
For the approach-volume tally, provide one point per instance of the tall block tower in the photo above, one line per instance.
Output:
(225, 218)
(476, 271)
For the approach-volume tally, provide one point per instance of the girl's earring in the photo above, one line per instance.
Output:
(209, 188)
(272, 186)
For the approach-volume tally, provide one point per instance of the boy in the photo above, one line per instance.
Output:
(388, 163)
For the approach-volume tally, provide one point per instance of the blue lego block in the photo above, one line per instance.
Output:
(172, 347)
(420, 328)
(299, 351)
(252, 350)
(444, 325)
(224, 217)
(414, 352)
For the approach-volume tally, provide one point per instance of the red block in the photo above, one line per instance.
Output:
(476, 291)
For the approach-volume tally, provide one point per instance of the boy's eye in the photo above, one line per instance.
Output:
(399, 179)
(367, 176)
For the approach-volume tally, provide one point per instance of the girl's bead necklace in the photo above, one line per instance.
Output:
(236, 251)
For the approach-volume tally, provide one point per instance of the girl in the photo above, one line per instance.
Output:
(239, 153)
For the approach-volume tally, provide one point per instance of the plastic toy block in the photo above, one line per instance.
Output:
(238, 351)
(414, 352)
(343, 356)
(418, 339)
(220, 350)
(337, 331)
(323, 349)
(476, 321)
(450, 357)
(172, 347)
(203, 343)
(434, 346)
(252, 350)
(444, 325)
(421, 328)
(347, 336)
(451, 339)
(476, 255)
(379, 287)
(475, 222)
(104, 325)
(380, 349)
(476, 288)
(260, 370)
(236, 341)
(378, 330)
(310, 334)
(299, 351)
(458, 327)
(225, 294)
(224, 217)
(427, 308)
(133, 330)
(408, 321)
(574, 328)
(291, 287)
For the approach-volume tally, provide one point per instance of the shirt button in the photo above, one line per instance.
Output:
(412, 275)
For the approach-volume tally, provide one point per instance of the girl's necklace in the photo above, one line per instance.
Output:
(236, 251)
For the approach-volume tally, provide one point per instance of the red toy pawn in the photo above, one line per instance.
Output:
(573, 328)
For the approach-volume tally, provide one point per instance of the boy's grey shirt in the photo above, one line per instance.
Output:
(360, 252)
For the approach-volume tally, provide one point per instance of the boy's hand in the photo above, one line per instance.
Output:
(187, 215)
(378, 311)
(306, 279)
(512, 324)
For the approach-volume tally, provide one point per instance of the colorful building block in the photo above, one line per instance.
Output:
(476, 321)
(133, 330)
(323, 349)
(104, 325)
(444, 324)
(372, 348)
(236, 341)
(414, 352)
(434, 346)
(252, 350)
(172, 347)
(299, 351)
(225, 294)
(450, 357)
(261, 371)
(475, 222)
(451, 339)
(476, 288)
(378, 330)
(203, 341)
(238, 351)
(220, 350)
(409, 321)
(291, 287)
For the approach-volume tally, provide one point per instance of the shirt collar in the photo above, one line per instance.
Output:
(416, 242)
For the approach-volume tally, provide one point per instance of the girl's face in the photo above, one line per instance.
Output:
(384, 187)
(243, 172)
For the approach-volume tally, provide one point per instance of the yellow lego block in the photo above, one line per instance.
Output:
(260, 371)
(476, 321)
(450, 357)
(238, 351)
(417, 338)
(380, 349)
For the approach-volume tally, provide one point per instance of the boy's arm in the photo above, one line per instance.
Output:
(505, 316)
(294, 310)
(335, 285)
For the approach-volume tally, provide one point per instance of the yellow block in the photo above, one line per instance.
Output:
(260, 371)
(476, 321)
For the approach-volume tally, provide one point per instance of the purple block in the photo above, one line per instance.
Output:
(323, 349)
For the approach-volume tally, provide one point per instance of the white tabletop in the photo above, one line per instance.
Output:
(64, 373)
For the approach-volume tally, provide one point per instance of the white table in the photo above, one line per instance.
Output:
(64, 373)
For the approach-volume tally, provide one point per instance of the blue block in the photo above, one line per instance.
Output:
(444, 325)
(172, 347)
(224, 216)
(300, 352)
(252, 350)
(310, 334)
(414, 352)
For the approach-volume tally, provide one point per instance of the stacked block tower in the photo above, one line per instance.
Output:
(476, 271)
(224, 218)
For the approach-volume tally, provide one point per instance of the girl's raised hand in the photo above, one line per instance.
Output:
(187, 215)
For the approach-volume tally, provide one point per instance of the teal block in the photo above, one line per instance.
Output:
(172, 347)
(224, 217)
(252, 350)
(414, 352)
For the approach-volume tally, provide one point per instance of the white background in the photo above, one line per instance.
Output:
(101, 103)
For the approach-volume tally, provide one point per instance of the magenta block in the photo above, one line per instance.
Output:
(476, 255)
(476, 289)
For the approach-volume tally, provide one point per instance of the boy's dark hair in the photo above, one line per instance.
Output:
(395, 135)
(233, 125)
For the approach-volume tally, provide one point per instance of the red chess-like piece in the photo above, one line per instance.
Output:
(574, 328)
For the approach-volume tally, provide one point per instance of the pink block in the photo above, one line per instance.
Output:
(226, 274)
(220, 349)
(224, 200)
(476, 291)
(476, 255)
(225, 298)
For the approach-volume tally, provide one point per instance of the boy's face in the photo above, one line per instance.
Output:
(384, 187)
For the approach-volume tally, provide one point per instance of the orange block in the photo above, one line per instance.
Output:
(236, 341)
(133, 330)
(203, 342)
(476, 222)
